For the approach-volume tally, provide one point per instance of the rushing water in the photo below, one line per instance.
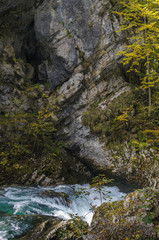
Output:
(20, 205)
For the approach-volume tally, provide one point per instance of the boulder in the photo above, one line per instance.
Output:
(44, 229)
(134, 217)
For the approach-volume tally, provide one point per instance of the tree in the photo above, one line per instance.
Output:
(27, 134)
(140, 18)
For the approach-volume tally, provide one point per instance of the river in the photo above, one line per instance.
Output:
(20, 205)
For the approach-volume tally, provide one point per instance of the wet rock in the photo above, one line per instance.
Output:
(50, 228)
(44, 229)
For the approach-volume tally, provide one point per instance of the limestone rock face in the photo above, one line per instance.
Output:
(72, 46)
(78, 44)
(65, 29)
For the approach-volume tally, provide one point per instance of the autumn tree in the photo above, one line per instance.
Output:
(140, 19)
(28, 134)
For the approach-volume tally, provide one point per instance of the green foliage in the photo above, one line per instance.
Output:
(76, 228)
(146, 200)
(27, 134)
(105, 122)
(98, 182)
(139, 145)
(125, 119)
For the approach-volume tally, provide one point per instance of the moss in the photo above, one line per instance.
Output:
(103, 122)
(109, 123)
(110, 209)
(128, 218)
(91, 24)
(125, 139)
(68, 33)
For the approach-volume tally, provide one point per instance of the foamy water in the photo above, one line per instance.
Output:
(16, 203)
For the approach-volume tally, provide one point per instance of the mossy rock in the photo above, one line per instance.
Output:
(135, 217)
(106, 118)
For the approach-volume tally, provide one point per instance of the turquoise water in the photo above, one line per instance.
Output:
(20, 206)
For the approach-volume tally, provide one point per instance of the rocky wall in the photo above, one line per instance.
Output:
(71, 46)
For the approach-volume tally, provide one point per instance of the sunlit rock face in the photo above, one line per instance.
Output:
(72, 46)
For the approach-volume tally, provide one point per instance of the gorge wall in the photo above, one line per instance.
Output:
(72, 47)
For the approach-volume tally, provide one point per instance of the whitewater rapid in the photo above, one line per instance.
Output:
(17, 202)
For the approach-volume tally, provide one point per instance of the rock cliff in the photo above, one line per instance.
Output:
(72, 46)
